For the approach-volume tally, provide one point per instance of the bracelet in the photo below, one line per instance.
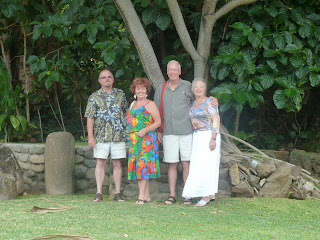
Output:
(214, 138)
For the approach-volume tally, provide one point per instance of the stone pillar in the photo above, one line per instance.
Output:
(59, 163)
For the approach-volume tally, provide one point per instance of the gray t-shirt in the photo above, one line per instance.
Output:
(176, 107)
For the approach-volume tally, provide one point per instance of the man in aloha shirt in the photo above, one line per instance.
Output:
(105, 112)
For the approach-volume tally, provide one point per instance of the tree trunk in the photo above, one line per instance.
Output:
(141, 41)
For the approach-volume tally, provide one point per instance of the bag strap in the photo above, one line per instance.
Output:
(131, 105)
(161, 100)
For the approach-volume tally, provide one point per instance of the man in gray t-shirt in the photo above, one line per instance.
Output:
(177, 134)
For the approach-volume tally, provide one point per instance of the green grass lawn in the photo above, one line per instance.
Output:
(233, 218)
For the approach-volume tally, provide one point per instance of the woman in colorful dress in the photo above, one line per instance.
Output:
(144, 119)
(205, 158)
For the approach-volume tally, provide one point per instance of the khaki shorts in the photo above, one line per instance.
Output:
(117, 150)
(175, 144)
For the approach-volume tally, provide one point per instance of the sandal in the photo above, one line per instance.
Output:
(140, 201)
(170, 200)
(202, 203)
(97, 198)
(118, 197)
(187, 201)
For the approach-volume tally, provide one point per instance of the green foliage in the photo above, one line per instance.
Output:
(274, 47)
(10, 101)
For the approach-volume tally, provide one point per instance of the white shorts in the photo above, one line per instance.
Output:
(117, 150)
(175, 144)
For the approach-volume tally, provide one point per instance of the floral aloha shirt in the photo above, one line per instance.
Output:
(109, 112)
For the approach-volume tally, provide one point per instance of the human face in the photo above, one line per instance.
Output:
(140, 92)
(199, 89)
(106, 79)
(173, 71)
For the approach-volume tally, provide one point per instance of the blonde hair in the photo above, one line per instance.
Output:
(198, 80)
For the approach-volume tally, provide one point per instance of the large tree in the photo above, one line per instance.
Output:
(199, 53)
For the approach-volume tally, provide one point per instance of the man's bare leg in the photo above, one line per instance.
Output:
(99, 174)
(185, 170)
(172, 177)
(117, 174)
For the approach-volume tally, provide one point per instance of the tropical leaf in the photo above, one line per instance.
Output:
(305, 31)
(14, 122)
(291, 92)
(149, 15)
(314, 79)
(279, 99)
(273, 12)
(163, 20)
(291, 48)
(297, 61)
(3, 118)
(266, 81)
(23, 122)
(279, 41)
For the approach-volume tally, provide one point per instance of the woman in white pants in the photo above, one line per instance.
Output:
(205, 159)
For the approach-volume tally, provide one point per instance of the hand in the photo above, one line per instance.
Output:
(212, 144)
(159, 136)
(214, 101)
(91, 142)
(142, 132)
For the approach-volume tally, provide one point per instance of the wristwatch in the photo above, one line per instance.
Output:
(214, 138)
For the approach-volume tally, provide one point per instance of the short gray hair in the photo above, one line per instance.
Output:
(171, 61)
(198, 79)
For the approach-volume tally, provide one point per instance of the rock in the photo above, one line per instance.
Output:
(243, 189)
(80, 171)
(223, 173)
(164, 188)
(300, 158)
(79, 151)
(234, 174)
(315, 162)
(164, 168)
(254, 181)
(278, 184)
(308, 188)
(265, 169)
(22, 157)
(295, 193)
(39, 150)
(10, 171)
(78, 159)
(90, 163)
(37, 159)
(59, 167)
(8, 188)
(225, 186)
(37, 168)
(296, 171)
(262, 182)
(246, 163)
(90, 174)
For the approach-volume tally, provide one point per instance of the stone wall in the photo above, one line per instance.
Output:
(31, 159)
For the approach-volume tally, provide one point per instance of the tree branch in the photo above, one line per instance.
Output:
(182, 29)
(228, 7)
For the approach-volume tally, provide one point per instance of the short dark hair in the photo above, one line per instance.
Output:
(140, 82)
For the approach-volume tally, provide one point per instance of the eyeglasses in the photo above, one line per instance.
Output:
(104, 77)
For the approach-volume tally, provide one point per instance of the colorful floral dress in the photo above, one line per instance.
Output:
(143, 160)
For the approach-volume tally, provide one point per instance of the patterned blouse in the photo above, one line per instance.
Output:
(205, 117)
(109, 112)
